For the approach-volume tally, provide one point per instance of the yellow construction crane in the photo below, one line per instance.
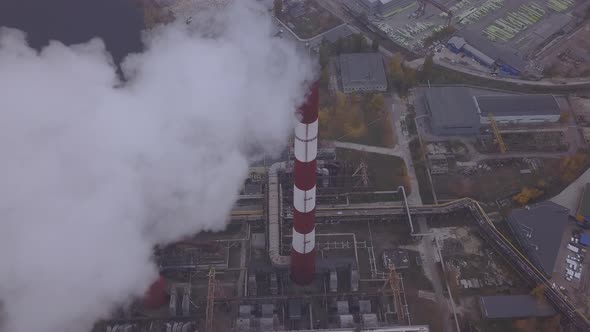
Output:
(497, 134)
(210, 301)
(394, 282)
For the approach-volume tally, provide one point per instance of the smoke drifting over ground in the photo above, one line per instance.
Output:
(94, 171)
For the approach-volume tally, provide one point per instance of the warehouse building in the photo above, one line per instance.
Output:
(514, 307)
(518, 109)
(459, 45)
(458, 110)
(452, 111)
(362, 72)
(538, 230)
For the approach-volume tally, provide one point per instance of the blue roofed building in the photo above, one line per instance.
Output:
(585, 239)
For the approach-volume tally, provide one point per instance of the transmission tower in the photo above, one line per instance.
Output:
(362, 172)
(210, 301)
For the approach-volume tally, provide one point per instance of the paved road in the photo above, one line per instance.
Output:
(569, 82)
(368, 148)
(398, 108)
(427, 254)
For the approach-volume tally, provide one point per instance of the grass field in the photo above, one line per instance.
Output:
(363, 119)
(385, 172)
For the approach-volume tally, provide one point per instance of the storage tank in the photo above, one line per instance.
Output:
(156, 296)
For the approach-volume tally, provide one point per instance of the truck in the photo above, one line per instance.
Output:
(573, 249)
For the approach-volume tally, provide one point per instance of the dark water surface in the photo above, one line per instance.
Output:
(117, 22)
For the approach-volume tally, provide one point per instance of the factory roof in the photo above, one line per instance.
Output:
(451, 107)
(362, 69)
(517, 105)
(539, 229)
(514, 306)
(499, 52)
(457, 42)
(479, 55)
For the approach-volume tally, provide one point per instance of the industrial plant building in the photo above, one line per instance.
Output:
(383, 8)
(518, 109)
(514, 307)
(538, 229)
(459, 45)
(452, 111)
(457, 110)
(361, 72)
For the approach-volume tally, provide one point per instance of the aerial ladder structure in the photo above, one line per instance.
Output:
(210, 301)
(497, 135)
(394, 281)
(422, 8)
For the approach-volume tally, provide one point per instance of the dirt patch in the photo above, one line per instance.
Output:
(571, 57)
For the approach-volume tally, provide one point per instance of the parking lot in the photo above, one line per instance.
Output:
(571, 274)
(514, 30)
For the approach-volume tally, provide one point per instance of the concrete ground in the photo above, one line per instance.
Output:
(402, 149)
(570, 196)
(577, 290)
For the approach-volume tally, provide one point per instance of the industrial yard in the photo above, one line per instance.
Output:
(519, 37)
(307, 19)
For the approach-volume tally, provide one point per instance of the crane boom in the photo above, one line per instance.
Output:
(497, 134)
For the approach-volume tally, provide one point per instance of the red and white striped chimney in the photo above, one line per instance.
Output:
(306, 150)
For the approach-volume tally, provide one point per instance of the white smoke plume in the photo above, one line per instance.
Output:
(95, 171)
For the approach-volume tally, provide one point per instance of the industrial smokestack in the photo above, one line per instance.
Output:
(306, 150)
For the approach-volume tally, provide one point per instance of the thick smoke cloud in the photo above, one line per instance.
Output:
(96, 171)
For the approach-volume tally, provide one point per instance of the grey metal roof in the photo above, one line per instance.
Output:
(362, 70)
(457, 42)
(517, 105)
(451, 107)
(539, 229)
(478, 54)
(497, 51)
(514, 306)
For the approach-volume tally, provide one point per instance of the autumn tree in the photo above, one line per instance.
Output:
(427, 68)
(527, 194)
(377, 103)
(278, 7)
(325, 77)
(358, 43)
(564, 117)
(539, 292)
(375, 45)
(324, 54)
(571, 167)
(526, 325)
(402, 78)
